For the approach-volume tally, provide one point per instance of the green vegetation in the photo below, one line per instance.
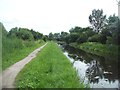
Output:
(100, 49)
(50, 69)
(17, 44)
(14, 50)
(102, 38)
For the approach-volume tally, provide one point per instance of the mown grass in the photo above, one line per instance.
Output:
(14, 49)
(50, 69)
(105, 50)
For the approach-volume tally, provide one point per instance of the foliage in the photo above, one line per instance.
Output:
(109, 40)
(63, 36)
(49, 72)
(82, 38)
(108, 30)
(97, 20)
(36, 35)
(14, 49)
(21, 33)
(51, 37)
(105, 50)
(25, 34)
(76, 30)
(44, 38)
(98, 38)
(114, 28)
(16, 45)
(80, 35)
(73, 37)
(57, 36)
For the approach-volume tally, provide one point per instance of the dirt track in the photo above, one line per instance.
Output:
(8, 76)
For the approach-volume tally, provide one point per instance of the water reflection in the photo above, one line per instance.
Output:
(99, 71)
(94, 71)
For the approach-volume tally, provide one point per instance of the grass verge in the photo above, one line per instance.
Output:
(14, 50)
(50, 69)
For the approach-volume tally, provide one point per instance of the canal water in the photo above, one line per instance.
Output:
(93, 70)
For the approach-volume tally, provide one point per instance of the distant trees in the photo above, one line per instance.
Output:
(64, 36)
(25, 34)
(104, 30)
(77, 34)
(57, 36)
(51, 36)
(36, 35)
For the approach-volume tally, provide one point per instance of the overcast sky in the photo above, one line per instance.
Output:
(48, 16)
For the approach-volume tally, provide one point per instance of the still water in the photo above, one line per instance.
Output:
(96, 71)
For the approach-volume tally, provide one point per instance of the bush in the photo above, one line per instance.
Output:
(109, 40)
(98, 38)
(74, 37)
(21, 33)
(82, 38)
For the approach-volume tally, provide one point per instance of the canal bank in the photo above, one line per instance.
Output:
(104, 50)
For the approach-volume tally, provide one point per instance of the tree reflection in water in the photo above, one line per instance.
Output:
(94, 72)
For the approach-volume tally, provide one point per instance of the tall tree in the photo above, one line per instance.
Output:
(114, 28)
(97, 20)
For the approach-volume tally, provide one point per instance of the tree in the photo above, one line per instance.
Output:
(57, 36)
(25, 34)
(63, 36)
(51, 36)
(97, 20)
(98, 38)
(21, 33)
(44, 38)
(80, 35)
(76, 30)
(114, 28)
(13, 32)
(73, 37)
(36, 35)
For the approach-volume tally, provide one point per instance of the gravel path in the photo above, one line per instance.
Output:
(8, 76)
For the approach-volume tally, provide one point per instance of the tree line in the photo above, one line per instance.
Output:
(103, 30)
(24, 34)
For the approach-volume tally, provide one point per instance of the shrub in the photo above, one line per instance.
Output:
(98, 38)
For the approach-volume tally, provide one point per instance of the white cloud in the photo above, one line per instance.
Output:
(51, 15)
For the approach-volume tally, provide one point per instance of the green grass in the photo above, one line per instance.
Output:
(50, 69)
(105, 50)
(14, 49)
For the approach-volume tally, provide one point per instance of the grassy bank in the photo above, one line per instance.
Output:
(14, 49)
(50, 69)
(105, 50)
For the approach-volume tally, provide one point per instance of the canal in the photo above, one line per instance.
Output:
(93, 70)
